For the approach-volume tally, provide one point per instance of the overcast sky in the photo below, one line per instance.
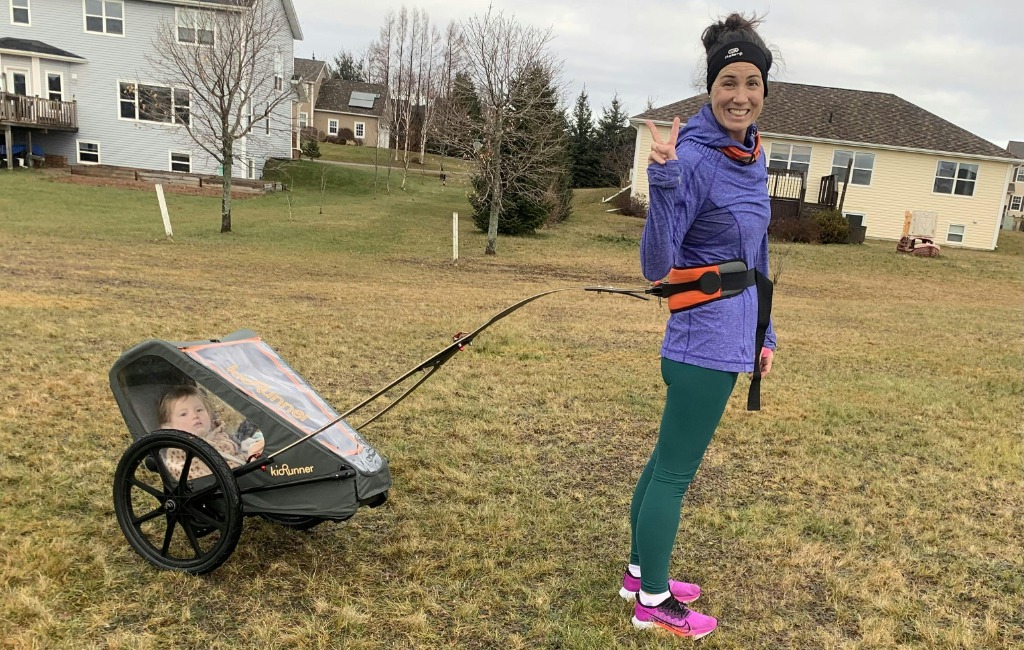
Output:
(962, 60)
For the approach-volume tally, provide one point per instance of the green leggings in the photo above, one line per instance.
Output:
(693, 408)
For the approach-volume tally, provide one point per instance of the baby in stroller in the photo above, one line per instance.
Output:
(186, 408)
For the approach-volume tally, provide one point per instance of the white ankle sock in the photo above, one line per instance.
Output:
(653, 600)
(634, 570)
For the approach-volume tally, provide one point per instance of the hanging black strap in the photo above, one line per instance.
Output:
(764, 314)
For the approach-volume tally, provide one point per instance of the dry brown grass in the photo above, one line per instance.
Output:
(874, 503)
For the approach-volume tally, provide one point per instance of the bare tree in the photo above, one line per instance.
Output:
(449, 64)
(498, 53)
(229, 69)
(378, 71)
(428, 89)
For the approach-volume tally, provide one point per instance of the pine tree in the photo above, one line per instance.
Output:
(542, 195)
(583, 145)
(617, 144)
(344, 66)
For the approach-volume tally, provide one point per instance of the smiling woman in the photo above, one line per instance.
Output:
(709, 212)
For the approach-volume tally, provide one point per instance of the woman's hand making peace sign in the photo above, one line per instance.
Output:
(662, 151)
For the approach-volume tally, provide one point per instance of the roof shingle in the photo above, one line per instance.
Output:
(336, 93)
(855, 116)
(35, 47)
(308, 69)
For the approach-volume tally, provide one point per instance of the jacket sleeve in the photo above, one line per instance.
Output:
(762, 266)
(673, 206)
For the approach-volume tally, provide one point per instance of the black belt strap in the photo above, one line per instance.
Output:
(764, 314)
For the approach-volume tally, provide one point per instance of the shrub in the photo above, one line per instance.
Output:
(335, 139)
(358, 142)
(520, 214)
(559, 197)
(631, 206)
(800, 230)
(835, 229)
(345, 134)
(311, 148)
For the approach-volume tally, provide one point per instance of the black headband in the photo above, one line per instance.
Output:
(739, 51)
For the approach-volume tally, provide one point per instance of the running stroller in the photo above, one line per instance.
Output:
(179, 502)
(315, 466)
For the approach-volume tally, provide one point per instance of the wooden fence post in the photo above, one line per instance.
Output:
(163, 209)
(455, 237)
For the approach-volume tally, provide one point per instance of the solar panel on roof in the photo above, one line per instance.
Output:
(362, 100)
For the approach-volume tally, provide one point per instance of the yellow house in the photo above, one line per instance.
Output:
(1013, 209)
(904, 158)
(353, 105)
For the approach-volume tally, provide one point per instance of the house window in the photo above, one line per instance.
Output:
(360, 130)
(332, 127)
(250, 168)
(195, 27)
(154, 103)
(19, 83)
(1020, 174)
(1015, 202)
(55, 86)
(863, 165)
(268, 118)
(955, 178)
(20, 12)
(303, 120)
(89, 153)
(786, 156)
(181, 162)
(278, 70)
(104, 16)
(955, 234)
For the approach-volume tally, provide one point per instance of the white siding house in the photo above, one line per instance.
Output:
(86, 62)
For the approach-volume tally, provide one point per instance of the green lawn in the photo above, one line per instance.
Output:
(371, 156)
(874, 503)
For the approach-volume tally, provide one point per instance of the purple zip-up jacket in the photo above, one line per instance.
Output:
(706, 208)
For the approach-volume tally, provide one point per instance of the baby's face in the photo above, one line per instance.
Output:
(190, 414)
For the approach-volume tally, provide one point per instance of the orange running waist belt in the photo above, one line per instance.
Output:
(690, 287)
(699, 285)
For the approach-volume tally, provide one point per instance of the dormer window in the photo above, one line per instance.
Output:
(195, 27)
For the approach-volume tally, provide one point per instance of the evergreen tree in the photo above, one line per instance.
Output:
(583, 145)
(344, 66)
(542, 195)
(617, 144)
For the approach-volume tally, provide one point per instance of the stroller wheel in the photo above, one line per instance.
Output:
(177, 502)
(295, 522)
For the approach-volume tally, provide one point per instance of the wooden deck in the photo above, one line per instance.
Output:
(37, 113)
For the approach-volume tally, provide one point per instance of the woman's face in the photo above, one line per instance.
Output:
(737, 96)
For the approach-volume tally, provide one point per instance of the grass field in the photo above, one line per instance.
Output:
(875, 502)
(370, 155)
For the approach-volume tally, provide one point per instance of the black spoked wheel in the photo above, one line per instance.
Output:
(295, 522)
(177, 502)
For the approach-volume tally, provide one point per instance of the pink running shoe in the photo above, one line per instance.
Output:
(675, 617)
(684, 592)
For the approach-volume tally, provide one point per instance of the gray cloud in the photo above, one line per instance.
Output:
(956, 59)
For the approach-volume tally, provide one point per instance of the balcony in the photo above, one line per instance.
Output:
(37, 113)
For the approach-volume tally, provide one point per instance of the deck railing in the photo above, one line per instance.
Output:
(37, 112)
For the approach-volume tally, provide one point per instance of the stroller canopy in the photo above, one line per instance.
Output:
(248, 375)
